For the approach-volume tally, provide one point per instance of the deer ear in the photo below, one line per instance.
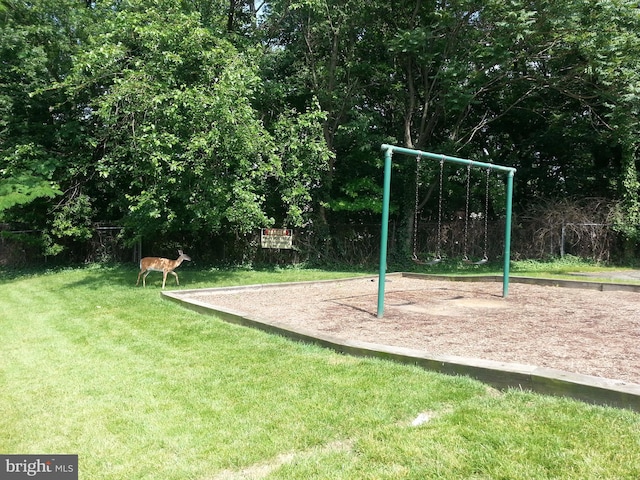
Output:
(179, 252)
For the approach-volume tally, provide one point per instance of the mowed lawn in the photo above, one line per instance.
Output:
(141, 388)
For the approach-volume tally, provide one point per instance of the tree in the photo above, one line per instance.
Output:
(612, 63)
(178, 146)
(328, 51)
(304, 160)
(38, 146)
(577, 128)
(548, 87)
(202, 116)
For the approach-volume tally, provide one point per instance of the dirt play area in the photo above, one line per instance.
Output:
(582, 331)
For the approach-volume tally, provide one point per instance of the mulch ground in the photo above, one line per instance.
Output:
(582, 331)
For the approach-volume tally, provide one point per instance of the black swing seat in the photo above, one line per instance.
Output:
(433, 261)
(482, 261)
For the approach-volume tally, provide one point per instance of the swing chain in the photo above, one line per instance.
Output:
(438, 252)
(466, 214)
(486, 213)
(415, 215)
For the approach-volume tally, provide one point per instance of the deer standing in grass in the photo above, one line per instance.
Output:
(158, 264)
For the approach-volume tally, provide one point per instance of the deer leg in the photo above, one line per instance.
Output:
(164, 278)
(139, 274)
(144, 278)
(175, 275)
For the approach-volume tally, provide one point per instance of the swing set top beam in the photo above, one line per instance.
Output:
(436, 156)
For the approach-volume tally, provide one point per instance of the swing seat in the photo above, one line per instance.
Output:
(482, 261)
(433, 261)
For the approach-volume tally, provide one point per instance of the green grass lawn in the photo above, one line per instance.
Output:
(567, 268)
(141, 388)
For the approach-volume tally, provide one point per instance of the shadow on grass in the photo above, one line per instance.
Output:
(127, 275)
(106, 275)
(191, 275)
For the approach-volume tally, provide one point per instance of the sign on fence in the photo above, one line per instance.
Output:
(276, 238)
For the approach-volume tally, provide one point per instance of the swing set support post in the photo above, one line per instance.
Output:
(507, 234)
(384, 234)
(386, 196)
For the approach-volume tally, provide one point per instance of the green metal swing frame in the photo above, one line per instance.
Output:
(389, 150)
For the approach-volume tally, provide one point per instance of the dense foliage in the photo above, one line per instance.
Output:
(198, 117)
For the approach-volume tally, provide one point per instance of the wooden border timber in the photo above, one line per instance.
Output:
(547, 282)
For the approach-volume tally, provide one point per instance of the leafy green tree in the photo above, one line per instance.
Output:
(574, 128)
(38, 145)
(329, 51)
(178, 146)
(548, 87)
(612, 63)
(304, 161)
(203, 116)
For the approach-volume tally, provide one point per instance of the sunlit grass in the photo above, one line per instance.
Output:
(140, 388)
(565, 265)
(567, 268)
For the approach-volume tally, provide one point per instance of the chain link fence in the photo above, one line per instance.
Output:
(547, 230)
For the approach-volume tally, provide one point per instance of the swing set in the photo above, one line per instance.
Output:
(510, 173)
(467, 214)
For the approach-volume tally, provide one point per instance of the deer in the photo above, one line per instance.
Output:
(158, 264)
